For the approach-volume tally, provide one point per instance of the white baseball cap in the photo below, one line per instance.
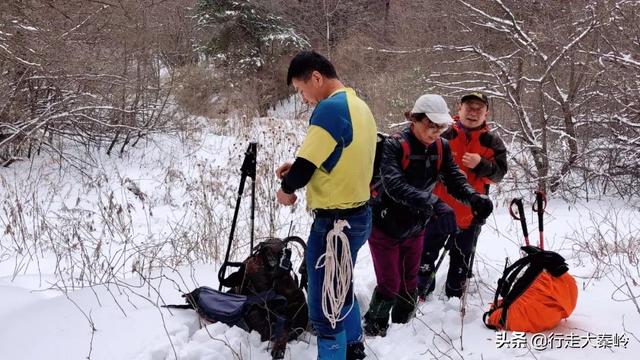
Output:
(434, 107)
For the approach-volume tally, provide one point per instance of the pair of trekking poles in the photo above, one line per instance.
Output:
(516, 210)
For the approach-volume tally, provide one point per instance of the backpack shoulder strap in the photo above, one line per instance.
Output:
(406, 150)
(439, 148)
(505, 284)
(510, 286)
(406, 153)
(518, 288)
(302, 270)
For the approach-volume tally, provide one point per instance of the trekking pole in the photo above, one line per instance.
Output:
(517, 202)
(253, 197)
(290, 228)
(539, 206)
(248, 169)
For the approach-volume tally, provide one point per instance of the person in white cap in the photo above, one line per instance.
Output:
(402, 203)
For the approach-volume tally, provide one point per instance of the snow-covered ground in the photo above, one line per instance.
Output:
(85, 260)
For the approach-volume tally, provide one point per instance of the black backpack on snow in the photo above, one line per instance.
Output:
(265, 295)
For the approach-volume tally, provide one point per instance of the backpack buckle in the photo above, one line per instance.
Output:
(285, 260)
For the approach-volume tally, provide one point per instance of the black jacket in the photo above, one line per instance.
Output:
(405, 202)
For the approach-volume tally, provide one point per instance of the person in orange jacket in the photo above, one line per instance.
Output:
(482, 156)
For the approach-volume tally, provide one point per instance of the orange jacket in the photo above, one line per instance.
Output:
(491, 169)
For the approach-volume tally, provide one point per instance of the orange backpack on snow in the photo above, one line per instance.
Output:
(536, 300)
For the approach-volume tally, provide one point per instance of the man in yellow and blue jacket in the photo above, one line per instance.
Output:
(335, 163)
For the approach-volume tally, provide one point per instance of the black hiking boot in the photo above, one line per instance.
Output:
(355, 351)
(426, 277)
(451, 291)
(376, 320)
(375, 327)
(405, 307)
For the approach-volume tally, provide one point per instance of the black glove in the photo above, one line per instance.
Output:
(481, 206)
(445, 218)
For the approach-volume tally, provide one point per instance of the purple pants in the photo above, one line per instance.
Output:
(396, 262)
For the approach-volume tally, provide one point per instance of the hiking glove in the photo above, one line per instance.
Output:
(445, 218)
(481, 206)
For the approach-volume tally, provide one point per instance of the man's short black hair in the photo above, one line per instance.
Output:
(306, 62)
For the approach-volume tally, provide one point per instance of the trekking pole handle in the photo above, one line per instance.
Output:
(517, 202)
(539, 206)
